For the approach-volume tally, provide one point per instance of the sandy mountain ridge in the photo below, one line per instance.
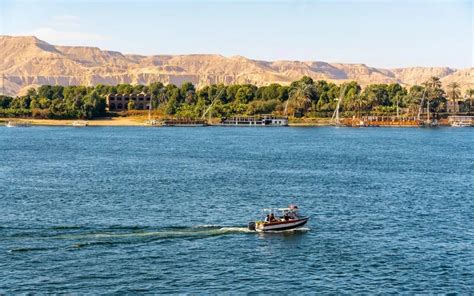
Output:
(26, 61)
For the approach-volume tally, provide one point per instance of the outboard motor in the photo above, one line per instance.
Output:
(251, 226)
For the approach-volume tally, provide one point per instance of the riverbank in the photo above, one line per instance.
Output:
(132, 121)
(141, 121)
(112, 121)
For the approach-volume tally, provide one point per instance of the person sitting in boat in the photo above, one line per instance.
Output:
(272, 217)
(267, 218)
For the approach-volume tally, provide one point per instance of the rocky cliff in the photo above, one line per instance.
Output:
(26, 61)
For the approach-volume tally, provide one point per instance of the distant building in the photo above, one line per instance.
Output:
(453, 107)
(119, 102)
(459, 106)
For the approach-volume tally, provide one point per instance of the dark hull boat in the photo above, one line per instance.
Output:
(262, 226)
(289, 219)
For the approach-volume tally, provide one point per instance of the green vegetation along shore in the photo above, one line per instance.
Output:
(302, 100)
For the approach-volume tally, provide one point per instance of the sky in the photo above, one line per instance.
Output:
(386, 34)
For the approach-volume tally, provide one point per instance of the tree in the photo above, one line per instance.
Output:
(306, 80)
(172, 93)
(103, 90)
(262, 107)
(57, 91)
(172, 106)
(376, 95)
(413, 99)
(93, 105)
(324, 102)
(44, 103)
(124, 89)
(300, 98)
(454, 94)
(396, 94)
(246, 93)
(283, 93)
(131, 105)
(361, 103)
(186, 111)
(469, 97)
(187, 91)
(45, 91)
(5, 101)
(34, 104)
(31, 93)
(231, 92)
(434, 92)
(270, 92)
(20, 103)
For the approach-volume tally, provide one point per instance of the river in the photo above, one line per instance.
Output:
(164, 210)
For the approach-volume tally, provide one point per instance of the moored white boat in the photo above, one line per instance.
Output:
(289, 218)
(18, 124)
(460, 124)
(80, 123)
(461, 121)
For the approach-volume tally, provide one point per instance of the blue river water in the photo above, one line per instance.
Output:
(164, 210)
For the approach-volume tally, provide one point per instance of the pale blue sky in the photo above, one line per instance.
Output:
(377, 33)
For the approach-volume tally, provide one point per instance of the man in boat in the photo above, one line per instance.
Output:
(292, 214)
(272, 217)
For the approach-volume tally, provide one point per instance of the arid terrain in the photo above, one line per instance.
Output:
(27, 61)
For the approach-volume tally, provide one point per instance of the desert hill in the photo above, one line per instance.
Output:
(26, 61)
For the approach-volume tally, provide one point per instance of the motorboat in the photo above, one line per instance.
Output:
(80, 123)
(279, 219)
(460, 124)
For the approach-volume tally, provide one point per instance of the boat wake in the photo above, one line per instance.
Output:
(164, 233)
(74, 237)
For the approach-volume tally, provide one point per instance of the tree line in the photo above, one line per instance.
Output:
(304, 97)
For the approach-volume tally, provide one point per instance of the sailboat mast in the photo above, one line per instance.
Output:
(398, 113)
(421, 104)
(149, 110)
(335, 116)
(428, 109)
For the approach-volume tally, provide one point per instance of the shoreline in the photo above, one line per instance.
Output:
(113, 121)
(133, 121)
(140, 121)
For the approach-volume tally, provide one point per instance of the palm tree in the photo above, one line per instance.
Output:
(434, 91)
(162, 97)
(353, 101)
(469, 97)
(300, 97)
(433, 83)
(454, 94)
(360, 102)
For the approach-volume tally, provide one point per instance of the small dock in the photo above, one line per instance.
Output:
(184, 122)
(382, 121)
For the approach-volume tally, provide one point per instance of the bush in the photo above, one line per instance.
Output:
(40, 113)
(262, 107)
(13, 112)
